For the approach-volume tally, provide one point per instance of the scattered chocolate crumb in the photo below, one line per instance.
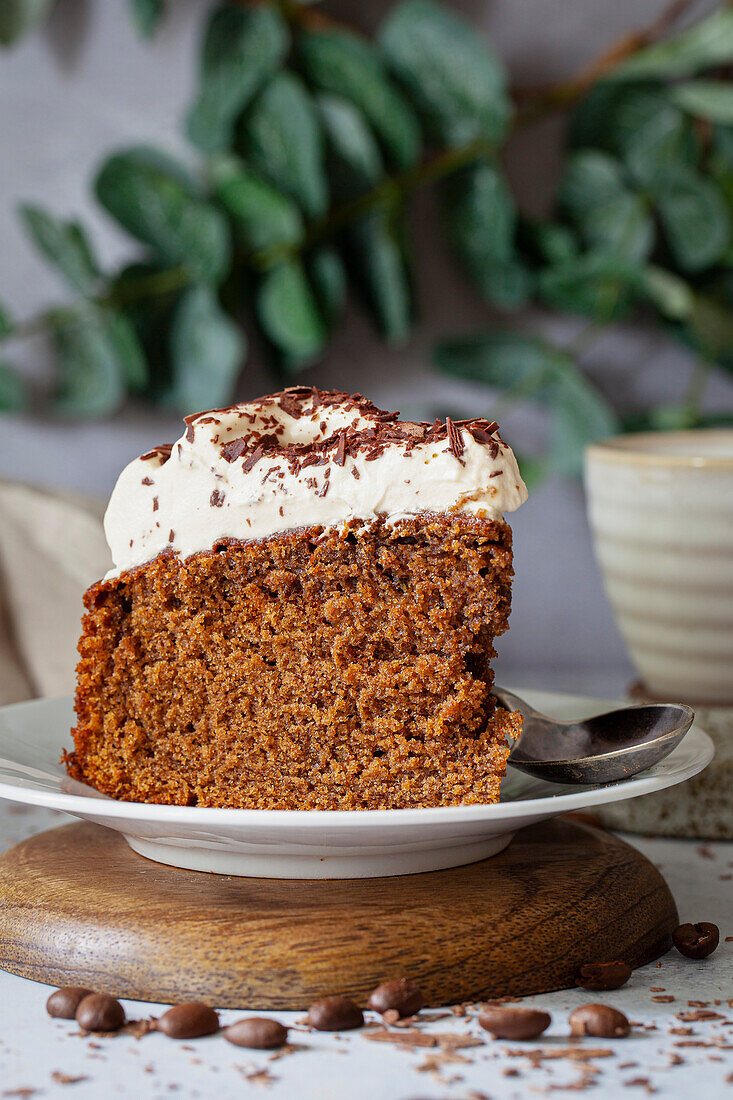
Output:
(216, 499)
(147, 481)
(641, 1082)
(664, 999)
(699, 1014)
(66, 1078)
(537, 1055)
(139, 1028)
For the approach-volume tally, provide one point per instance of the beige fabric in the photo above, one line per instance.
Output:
(51, 549)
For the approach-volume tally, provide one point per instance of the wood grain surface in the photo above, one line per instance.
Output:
(78, 907)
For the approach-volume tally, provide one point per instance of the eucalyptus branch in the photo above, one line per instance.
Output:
(536, 102)
(134, 290)
(388, 192)
(393, 189)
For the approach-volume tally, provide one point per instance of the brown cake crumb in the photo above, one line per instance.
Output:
(311, 670)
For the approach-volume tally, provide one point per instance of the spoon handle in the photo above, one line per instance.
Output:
(512, 702)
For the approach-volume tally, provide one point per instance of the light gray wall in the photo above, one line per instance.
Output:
(86, 85)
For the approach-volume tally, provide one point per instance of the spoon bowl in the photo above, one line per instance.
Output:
(603, 749)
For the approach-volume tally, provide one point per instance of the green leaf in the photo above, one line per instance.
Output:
(709, 99)
(662, 141)
(91, 381)
(347, 65)
(723, 144)
(147, 15)
(13, 392)
(592, 121)
(151, 317)
(639, 125)
(19, 17)
(288, 312)
(481, 219)
(695, 220)
(263, 216)
(328, 279)
(597, 285)
(609, 216)
(671, 295)
(549, 242)
(501, 360)
(455, 79)
(353, 157)
(283, 140)
(580, 415)
(151, 201)
(378, 267)
(207, 351)
(6, 322)
(64, 244)
(243, 47)
(128, 349)
(529, 368)
(707, 43)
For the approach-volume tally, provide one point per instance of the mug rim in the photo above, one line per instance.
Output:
(629, 449)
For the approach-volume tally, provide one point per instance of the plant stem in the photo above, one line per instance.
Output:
(390, 191)
(539, 101)
(696, 386)
(134, 290)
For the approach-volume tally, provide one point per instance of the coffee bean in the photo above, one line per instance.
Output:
(696, 941)
(64, 1002)
(505, 1022)
(601, 1021)
(100, 1012)
(335, 1014)
(608, 975)
(190, 1020)
(257, 1032)
(401, 994)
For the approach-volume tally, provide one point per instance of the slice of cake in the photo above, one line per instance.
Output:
(302, 612)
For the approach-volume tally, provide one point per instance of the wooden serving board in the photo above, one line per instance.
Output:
(78, 907)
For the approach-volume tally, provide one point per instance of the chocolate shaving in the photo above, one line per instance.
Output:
(254, 458)
(147, 481)
(455, 439)
(230, 452)
(162, 451)
(216, 499)
(386, 430)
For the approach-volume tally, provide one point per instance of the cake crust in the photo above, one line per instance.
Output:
(316, 669)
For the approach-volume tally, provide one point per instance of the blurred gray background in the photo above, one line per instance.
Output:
(85, 84)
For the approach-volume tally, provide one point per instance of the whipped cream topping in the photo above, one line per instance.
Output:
(303, 458)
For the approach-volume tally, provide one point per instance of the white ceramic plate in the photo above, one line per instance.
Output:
(314, 843)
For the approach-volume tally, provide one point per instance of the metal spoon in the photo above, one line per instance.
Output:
(602, 749)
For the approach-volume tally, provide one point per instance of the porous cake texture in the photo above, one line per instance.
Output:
(338, 665)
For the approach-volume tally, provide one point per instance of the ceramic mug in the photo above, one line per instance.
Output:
(660, 506)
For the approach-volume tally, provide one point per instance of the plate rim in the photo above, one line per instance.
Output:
(103, 806)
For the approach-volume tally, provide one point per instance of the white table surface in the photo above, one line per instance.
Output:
(38, 1055)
